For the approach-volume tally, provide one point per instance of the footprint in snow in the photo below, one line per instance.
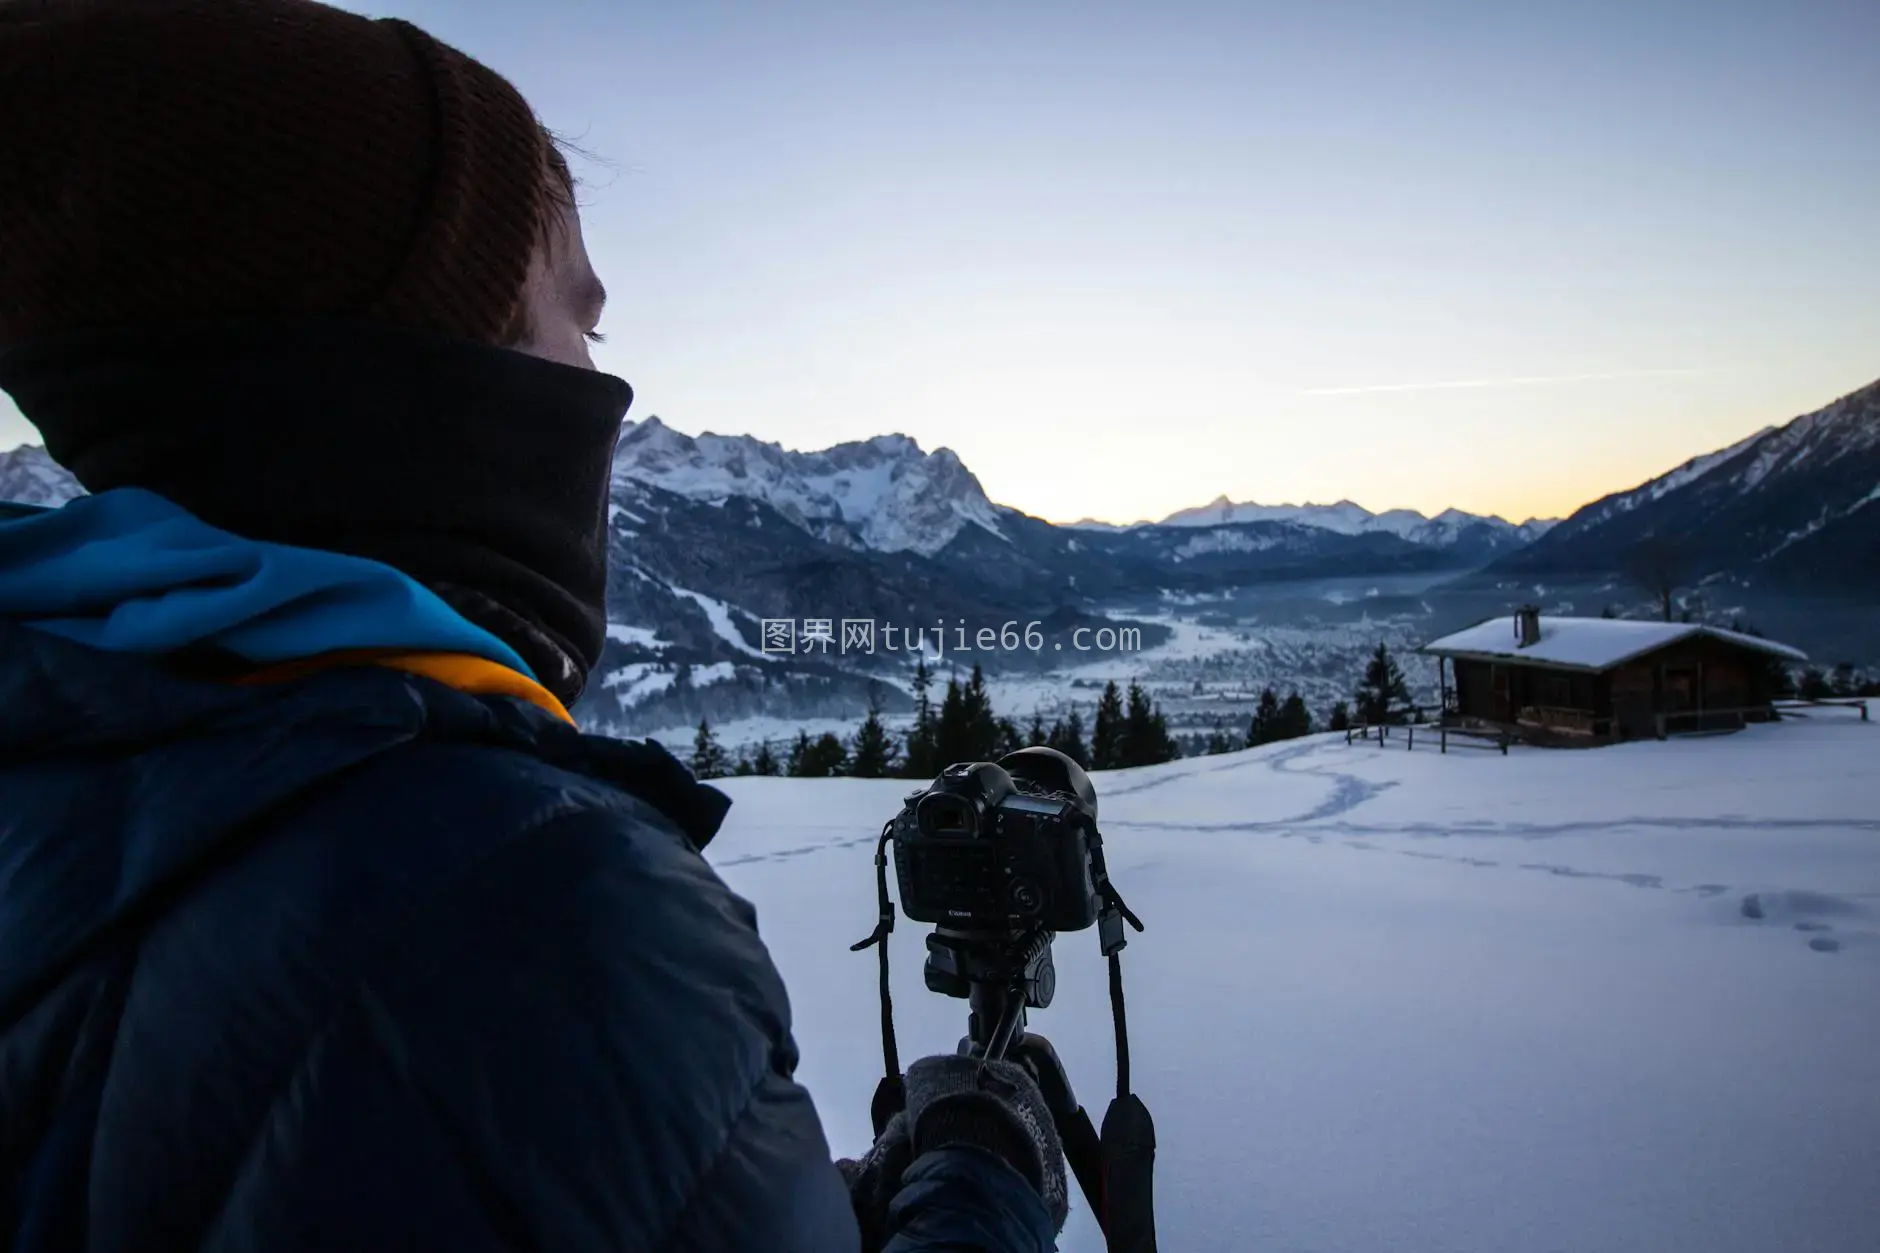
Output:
(1820, 943)
(1800, 904)
(1785, 906)
(1636, 880)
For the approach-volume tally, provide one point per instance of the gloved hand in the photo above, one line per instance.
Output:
(875, 1177)
(950, 1102)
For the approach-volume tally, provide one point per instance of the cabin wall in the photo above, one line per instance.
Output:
(1698, 684)
(1706, 684)
(1632, 692)
(1475, 692)
(1563, 701)
(1499, 692)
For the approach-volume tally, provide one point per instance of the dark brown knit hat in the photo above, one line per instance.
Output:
(173, 161)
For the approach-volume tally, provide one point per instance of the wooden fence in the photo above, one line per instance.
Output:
(1472, 732)
(1832, 702)
(1486, 735)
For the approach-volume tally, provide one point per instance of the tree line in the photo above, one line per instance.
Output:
(1843, 680)
(1127, 730)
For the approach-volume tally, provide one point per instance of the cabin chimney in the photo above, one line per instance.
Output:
(1527, 625)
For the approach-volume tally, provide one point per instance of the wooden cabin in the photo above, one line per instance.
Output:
(1599, 680)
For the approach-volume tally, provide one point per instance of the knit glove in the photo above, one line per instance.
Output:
(951, 1104)
(955, 1100)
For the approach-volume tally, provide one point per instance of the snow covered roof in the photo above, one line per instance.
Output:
(1587, 643)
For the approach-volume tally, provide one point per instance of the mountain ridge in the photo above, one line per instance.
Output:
(1344, 516)
(886, 494)
(1792, 506)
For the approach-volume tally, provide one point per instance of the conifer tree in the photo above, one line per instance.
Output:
(708, 755)
(984, 735)
(918, 762)
(1383, 696)
(1010, 741)
(763, 761)
(823, 758)
(1295, 719)
(1106, 735)
(1162, 745)
(799, 750)
(1067, 736)
(874, 752)
(950, 730)
(1341, 717)
(1145, 739)
(1035, 734)
(1265, 726)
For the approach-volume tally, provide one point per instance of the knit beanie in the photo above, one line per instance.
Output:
(173, 161)
(257, 256)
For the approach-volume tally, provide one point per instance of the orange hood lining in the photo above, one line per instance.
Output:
(474, 676)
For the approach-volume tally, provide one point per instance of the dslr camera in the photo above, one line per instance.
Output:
(1002, 848)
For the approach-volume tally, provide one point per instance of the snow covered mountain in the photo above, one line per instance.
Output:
(29, 477)
(888, 495)
(1793, 507)
(1349, 518)
(884, 494)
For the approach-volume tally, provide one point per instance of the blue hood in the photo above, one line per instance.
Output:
(127, 571)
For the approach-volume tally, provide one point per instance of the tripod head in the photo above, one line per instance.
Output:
(1001, 976)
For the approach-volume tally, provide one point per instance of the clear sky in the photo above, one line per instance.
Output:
(1124, 258)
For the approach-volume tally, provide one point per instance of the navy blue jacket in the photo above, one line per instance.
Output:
(359, 962)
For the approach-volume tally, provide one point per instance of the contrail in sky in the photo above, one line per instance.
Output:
(1528, 381)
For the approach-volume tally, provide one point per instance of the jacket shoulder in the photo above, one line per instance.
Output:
(586, 1034)
(510, 993)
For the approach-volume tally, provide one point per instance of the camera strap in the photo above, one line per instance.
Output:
(1113, 939)
(890, 1096)
(1125, 1199)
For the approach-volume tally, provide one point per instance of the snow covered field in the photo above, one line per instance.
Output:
(1403, 1001)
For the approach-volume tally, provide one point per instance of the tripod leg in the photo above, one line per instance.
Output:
(1083, 1152)
(1082, 1146)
